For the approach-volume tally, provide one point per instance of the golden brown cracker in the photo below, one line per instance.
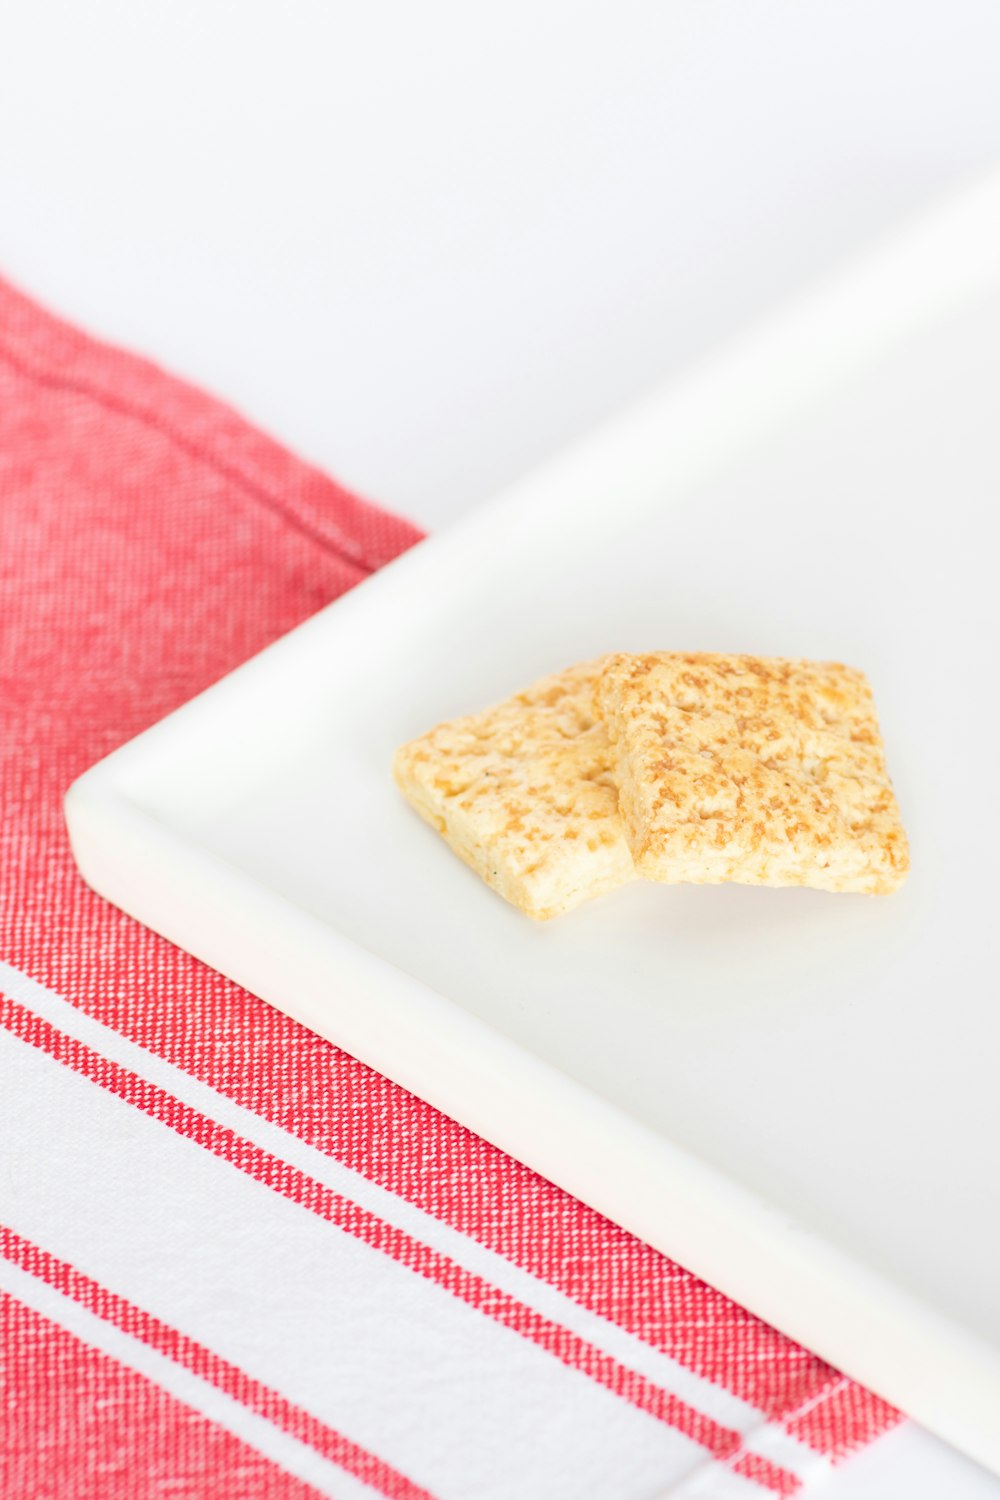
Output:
(755, 769)
(523, 792)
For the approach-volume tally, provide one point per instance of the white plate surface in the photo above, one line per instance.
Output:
(794, 1094)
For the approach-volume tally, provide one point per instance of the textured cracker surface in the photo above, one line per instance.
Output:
(754, 769)
(523, 792)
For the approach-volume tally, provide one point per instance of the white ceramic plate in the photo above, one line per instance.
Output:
(794, 1094)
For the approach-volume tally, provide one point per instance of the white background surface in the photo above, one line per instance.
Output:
(425, 245)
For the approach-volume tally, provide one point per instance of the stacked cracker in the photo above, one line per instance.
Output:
(672, 766)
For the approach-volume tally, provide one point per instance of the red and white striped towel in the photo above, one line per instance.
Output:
(233, 1261)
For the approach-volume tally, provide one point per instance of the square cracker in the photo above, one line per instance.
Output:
(753, 769)
(523, 792)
